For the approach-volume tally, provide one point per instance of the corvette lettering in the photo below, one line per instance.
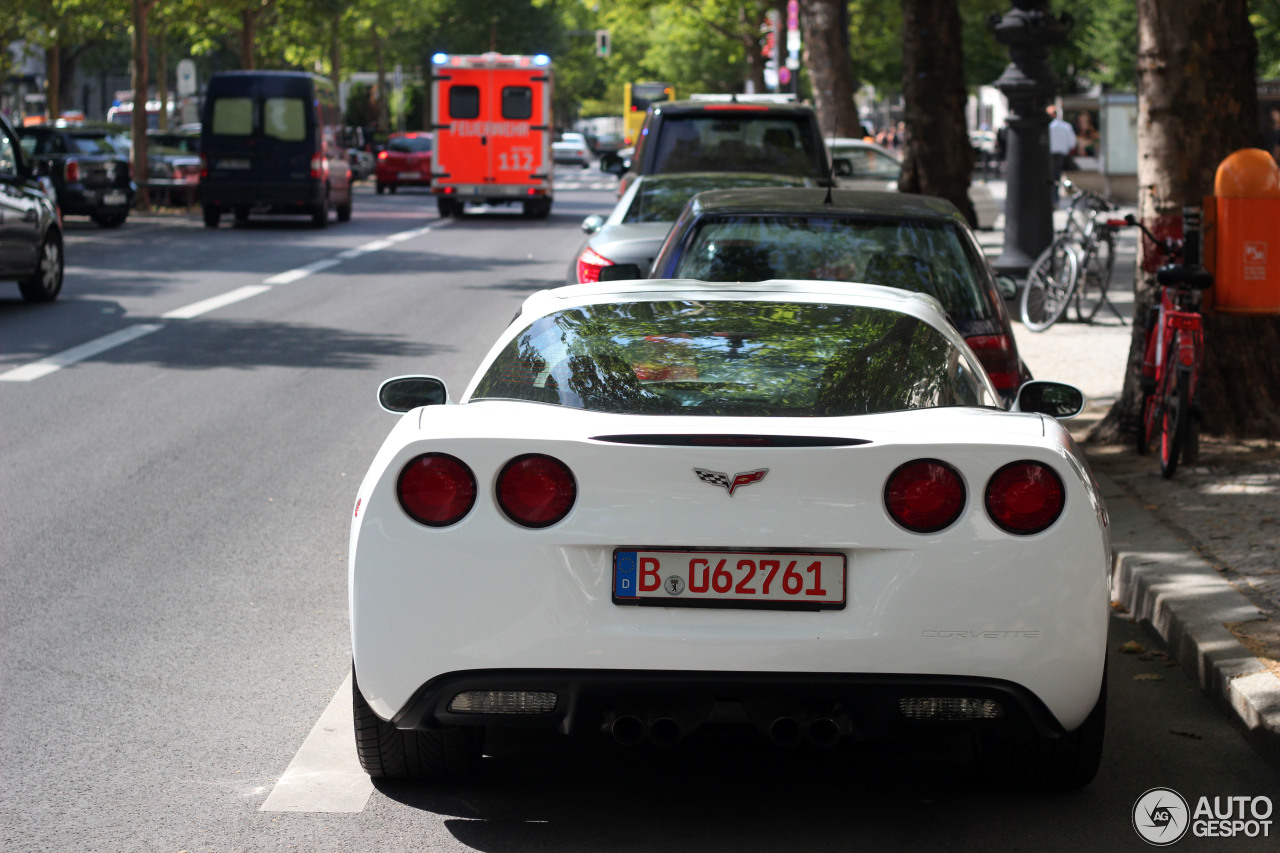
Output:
(933, 634)
(719, 478)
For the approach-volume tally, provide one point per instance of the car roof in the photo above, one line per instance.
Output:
(640, 290)
(802, 201)
(720, 107)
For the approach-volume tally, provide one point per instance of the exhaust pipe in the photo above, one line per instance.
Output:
(786, 731)
(824, 732)
(628, 730)
(665, 732)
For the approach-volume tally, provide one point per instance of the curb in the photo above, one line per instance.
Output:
(1174, 592)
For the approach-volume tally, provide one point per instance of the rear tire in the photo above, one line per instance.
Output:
(380, 188)
(320, 215)
(110, 220)
(211, 216)
(1049, 285)
(45, 283)
(386, 752)
(344, 211)
(1175, 425)
(1095, 279)
(1060, 764)
(242, 215)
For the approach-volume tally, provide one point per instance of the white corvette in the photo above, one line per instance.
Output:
(669, 508)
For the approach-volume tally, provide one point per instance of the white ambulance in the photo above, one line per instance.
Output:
(492, 120)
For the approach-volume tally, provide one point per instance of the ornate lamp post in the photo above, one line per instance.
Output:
(1028, 30)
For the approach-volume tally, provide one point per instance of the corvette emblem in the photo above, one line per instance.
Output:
(717, 478)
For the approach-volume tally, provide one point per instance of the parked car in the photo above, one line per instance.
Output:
(861, 165)
(89, 166)
(730, 135)
(174, 165)
(791, 510)
(572, 149)
(273, 142)
(605, 143)
(634, 231)
(363, 163)
(30, 229)
(914, 242)
(404, 162)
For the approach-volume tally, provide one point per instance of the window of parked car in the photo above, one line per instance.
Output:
(663, 200)
(8, 155)
(753, 358)
(731, 142)
(913, 255)
(865, 163)
(409, 144)
(517, 102)
(233, 117)
(464, 102)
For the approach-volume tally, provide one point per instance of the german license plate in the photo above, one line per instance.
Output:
(410, 176)
(788, 580)
(233, 163)
(114, 198)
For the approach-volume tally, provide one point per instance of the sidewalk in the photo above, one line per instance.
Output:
(1197, 558)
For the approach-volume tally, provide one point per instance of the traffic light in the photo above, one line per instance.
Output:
(602, 43)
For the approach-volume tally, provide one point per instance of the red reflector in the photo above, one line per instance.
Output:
(1025, 497)
(589, 265)
(436, 489)
(924, 496)
(995, 353)
(536, 490)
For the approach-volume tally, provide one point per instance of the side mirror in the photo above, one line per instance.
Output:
(1007, 286)
(593, 223)
(1055, 399)
(404, 393)
(612, 164)
(620, 272)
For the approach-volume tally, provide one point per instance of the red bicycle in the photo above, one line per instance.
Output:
(1174, 350)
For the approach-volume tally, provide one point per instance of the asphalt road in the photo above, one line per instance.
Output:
(174, 505)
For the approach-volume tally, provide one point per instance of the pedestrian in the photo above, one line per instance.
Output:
(1062, 139)
(1086, 135)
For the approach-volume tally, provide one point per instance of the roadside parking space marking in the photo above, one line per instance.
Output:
(45, 366)
(53, 363)
(325, 775)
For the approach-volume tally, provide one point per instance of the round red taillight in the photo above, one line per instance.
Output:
(536, 490)
(924, 496)
(436, 489)
(1025, 497)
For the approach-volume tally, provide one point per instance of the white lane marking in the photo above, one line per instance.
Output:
(45, 366)
(195, 309)
(325, 775)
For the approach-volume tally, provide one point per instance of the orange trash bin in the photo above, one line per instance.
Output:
(1246, 245)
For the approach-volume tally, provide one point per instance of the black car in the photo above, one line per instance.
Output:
(730, 135)
(89, 167)
(913, 242)
(30, 231)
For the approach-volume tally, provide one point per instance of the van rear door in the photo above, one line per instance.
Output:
(231, 145)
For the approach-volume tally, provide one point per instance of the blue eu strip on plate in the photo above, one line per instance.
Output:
(624, 574)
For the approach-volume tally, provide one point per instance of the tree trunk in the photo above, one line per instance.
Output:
(826, 56)
(141, 8)
(162, 76)
(384, 116)
(1197, 103)
(335, 51)
(937, 155)
(248, 34)
(53, 81)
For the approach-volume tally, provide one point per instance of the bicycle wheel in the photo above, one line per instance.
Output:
(1174, 425)
(1049, 285)
(1095, 277)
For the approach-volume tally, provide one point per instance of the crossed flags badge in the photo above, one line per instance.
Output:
(718, 478)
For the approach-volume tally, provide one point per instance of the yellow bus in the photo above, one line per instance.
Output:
(637, 98)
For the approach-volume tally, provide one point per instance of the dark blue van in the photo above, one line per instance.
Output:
(273, 142)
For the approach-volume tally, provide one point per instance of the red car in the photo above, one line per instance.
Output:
(405, 162)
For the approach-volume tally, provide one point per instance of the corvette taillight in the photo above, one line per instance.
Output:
(996, 354)
(924, 496)
(71, 170)
(536, 490)
(436, 489)
(1025, 497)
(590, 263)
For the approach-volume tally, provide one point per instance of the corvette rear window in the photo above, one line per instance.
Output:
(752, 358)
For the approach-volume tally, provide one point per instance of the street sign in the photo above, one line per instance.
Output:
(186, 78)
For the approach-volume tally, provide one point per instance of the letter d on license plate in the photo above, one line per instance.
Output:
(786, 580)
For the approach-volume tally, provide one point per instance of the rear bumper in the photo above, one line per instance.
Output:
(224, 195)
(866, 707)
(78, 199)
(492, 193)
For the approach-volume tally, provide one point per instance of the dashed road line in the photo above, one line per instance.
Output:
(50, 364)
